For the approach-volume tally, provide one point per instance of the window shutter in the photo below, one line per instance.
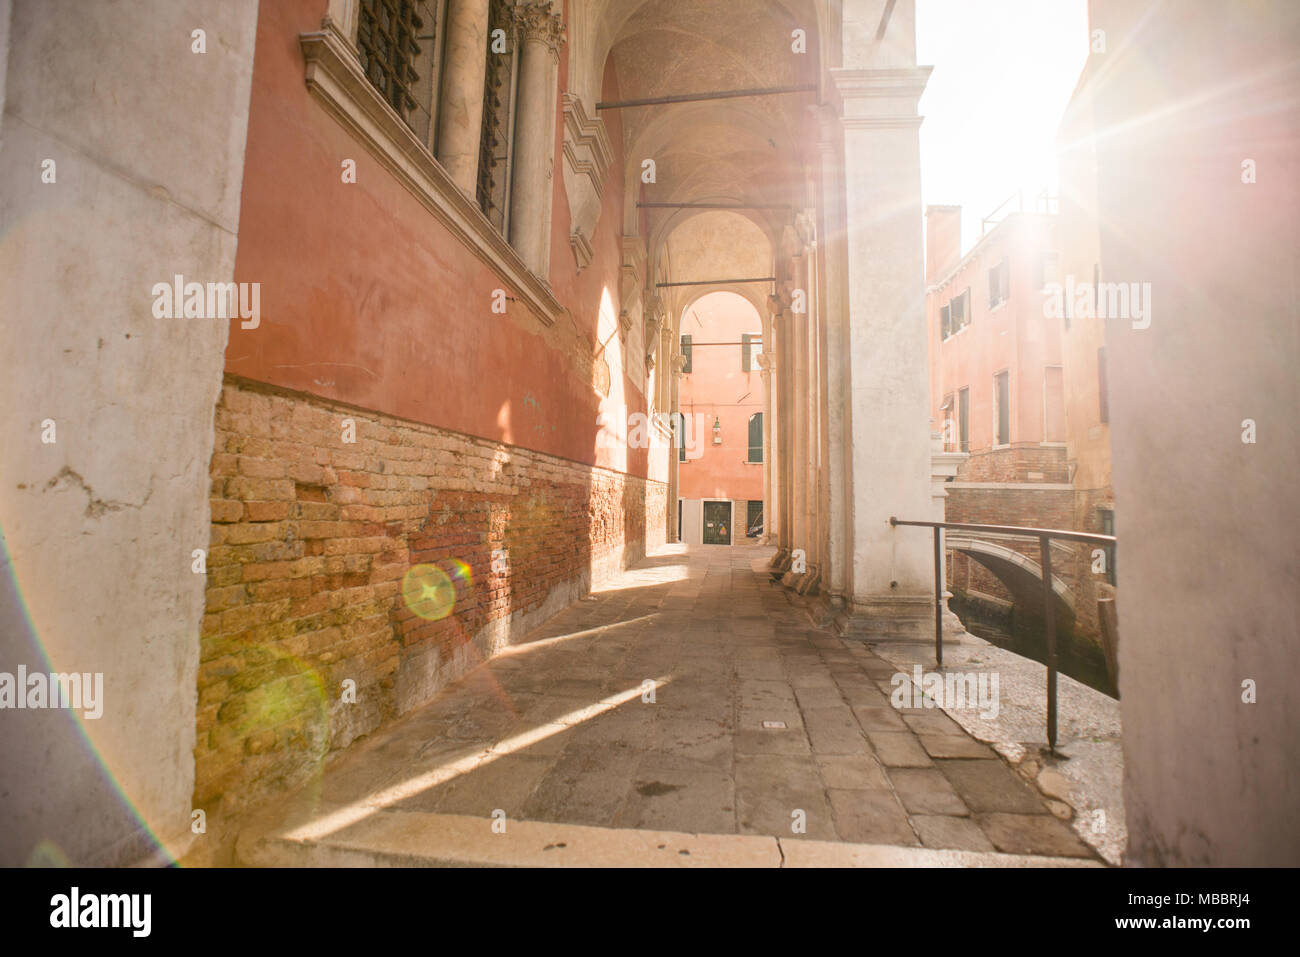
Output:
(1102, 387)
(1002, 383)
(963, 412)
(745, 351)
(686, 352)
(945, 323)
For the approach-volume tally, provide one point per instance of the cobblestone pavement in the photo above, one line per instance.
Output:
(759, 724)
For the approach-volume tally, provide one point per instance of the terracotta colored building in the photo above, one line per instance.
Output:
(1016, 387)
(720, 467)
(996, 381)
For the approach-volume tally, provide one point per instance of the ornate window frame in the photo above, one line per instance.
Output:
(335, 79)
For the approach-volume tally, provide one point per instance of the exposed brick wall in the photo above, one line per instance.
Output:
(1010, 505)
(310, 541)
(1029, 462)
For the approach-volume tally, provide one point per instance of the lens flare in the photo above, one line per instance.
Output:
(48, 854)
(428, 592)
(461, 573)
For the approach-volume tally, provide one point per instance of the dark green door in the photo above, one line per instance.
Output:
(717, 523)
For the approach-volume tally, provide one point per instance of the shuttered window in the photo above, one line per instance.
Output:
(1002, 393)
(1102, 386)
(496, 136)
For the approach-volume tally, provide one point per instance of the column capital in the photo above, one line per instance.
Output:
(805, 227)
(880, 99)
(537, 21)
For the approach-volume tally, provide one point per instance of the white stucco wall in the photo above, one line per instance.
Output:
(1208, 561)
(148, 141)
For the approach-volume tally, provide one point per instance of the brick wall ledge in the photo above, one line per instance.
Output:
(1016, 486)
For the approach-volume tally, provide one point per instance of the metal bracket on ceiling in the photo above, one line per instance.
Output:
(714, 95)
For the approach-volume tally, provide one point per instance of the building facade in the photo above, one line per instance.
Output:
(720, 455)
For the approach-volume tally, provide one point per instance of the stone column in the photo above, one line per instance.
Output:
(888, 353)
(541, 32)
(460, 112)
(767, 367)
(809, 399)
(837, 577)
(782, 428)
(674, 490)
(797, 337)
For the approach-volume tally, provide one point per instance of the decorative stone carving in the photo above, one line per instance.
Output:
(335, 78)
(538, 21)
(805, 227)
(587, 155)
(633, 273)
(654, 321)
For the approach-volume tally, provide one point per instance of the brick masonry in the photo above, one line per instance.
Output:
(311, 538)
(1021, 462)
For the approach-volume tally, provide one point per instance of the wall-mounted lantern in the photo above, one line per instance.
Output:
(717, 431)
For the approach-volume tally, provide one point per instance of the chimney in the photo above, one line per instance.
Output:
(942, 240)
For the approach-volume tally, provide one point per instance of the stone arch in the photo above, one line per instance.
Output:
(742, 231)
(733, 120)
(1022, 575)
(595, 26)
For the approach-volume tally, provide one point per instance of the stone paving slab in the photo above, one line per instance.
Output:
(1088, 767)
(414, 839)
(758, 727)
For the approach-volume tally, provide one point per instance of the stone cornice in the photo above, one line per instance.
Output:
(586, 136)
(880, 99)
(335, 79)
(895, 84)
(587, 155)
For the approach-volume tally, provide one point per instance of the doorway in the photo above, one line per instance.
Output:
(717, 523)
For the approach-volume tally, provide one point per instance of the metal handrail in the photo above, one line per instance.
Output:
(1044, 536)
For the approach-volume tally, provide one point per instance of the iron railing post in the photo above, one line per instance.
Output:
(1049, 617)
(938, 597)
(1045, 536)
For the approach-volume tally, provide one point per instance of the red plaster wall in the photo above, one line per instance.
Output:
(368, 300)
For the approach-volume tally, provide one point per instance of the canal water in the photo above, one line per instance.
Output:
(1077, 657)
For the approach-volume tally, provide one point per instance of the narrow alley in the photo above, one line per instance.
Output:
(758, 725)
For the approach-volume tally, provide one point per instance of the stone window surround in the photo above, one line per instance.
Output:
(334, 77)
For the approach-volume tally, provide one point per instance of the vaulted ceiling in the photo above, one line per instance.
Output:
(747, 150)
